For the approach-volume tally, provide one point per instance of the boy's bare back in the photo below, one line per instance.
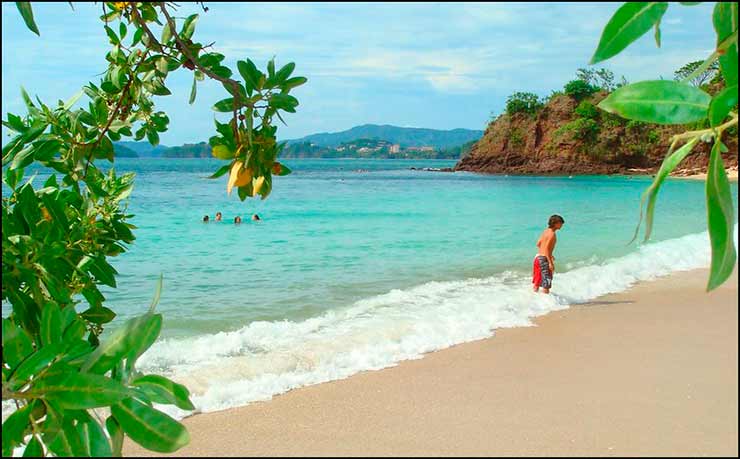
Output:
(546, 246)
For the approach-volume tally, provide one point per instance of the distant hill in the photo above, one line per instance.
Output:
(367, 141)
(122, 151)
(142, 149)
(405, 137)
(373, 149)
(189, 150)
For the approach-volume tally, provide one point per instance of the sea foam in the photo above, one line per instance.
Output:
(263, 359)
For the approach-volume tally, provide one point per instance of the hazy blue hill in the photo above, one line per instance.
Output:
(189, 150)
(143, 148)
(446, 144)
(406, 137)
(122, 151)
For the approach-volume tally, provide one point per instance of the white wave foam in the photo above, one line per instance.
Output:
(268, 358)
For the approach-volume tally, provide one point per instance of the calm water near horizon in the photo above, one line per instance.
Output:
(357, 264)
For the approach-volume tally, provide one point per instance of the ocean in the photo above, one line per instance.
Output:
(359, 264)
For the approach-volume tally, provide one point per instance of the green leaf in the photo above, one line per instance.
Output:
(99, 315)
(193, 90)
(27, 13)
(284, 170)
(116, 435)
(15, 123)
(225, 105)
(51, 324)
(293, 82)
(161, 65)
(221, 171)
(35, 363)
(157, 294)
(657, 33)
(101, 269)
(189, 27)
(34, 448)
(282, 75)
(135, 337)
(251, 75)
(658, 101)
(112, 36)
(137, 37)
(721, 105)
(72, 100)
(631, 21)
(94, 441)
(222, 152)
(150, 428)
(166, 33)
(67, 442)
(725, 24)
(651, 194)
(720, 219)
(162, 390)
(110, 17)
(14, 428)
(80, 391)
(122, 30)
(23, 158)
(26, 98)
(16, 343)
(271, 68)
(152, 136)
(690, 3)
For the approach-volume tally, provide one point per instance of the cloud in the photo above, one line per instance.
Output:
(425, 64)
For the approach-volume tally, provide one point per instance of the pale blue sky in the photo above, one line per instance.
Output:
(433, 65)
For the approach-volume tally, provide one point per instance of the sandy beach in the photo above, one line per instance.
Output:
(651, 371)
(731, 174)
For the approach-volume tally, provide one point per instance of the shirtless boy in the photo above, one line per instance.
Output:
(544, 261)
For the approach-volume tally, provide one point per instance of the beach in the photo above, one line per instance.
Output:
(687, 174)
(650, 371)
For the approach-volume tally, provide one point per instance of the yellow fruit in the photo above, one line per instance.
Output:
(238, 176)
(258, 182)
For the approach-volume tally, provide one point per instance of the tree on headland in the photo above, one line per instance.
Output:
(523, 102)
(57, 238)
(681, 102)
(701, 77)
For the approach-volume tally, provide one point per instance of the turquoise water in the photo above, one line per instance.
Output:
(336, 231)
(359, 264)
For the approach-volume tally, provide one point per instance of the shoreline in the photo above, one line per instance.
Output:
(652, 370)
(731, 174)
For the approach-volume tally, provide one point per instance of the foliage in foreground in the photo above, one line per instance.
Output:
(681, 102)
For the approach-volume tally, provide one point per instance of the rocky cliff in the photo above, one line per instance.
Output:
(567, 136)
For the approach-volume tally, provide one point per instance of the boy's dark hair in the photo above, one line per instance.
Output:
(554, 220)
(205, 218)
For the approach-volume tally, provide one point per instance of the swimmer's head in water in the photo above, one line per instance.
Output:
(218, 216)
(237, 219)
(205, 218)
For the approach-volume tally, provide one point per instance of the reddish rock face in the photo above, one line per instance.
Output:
(541, 145)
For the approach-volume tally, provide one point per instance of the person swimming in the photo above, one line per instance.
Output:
(255, 217)
(218, 216)
(206, 218)
(237, 219)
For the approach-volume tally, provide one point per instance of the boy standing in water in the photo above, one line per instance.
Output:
(544, 262)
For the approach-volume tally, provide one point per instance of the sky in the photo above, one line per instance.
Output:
(431, 65)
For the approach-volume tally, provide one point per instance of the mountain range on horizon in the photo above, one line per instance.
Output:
(404, 136)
